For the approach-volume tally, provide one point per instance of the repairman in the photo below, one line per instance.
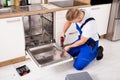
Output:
(85, 48)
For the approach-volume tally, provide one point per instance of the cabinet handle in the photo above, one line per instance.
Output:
(95, 8)
(11, 21)
(73, 33)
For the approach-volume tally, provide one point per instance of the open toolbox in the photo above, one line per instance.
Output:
(22, 70)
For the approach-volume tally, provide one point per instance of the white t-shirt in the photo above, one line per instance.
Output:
(89, 30)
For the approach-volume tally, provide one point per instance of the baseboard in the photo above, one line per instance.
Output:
(12, 61)
(102, 36)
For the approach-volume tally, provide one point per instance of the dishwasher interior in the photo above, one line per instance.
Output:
(40, 43)
(38, 29)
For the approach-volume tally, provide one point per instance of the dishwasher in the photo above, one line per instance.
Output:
(40, 43)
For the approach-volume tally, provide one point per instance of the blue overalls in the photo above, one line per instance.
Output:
(85, 53)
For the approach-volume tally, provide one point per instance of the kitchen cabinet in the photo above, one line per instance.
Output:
(99, 12)
(12, 42)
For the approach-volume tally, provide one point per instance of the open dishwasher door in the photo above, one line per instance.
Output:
(40, 44)
(48, 55)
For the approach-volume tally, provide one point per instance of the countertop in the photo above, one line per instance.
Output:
(35, 9)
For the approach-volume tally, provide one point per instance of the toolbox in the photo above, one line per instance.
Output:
(22, 70)
(78, 76)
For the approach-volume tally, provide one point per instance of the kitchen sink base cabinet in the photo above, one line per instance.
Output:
(12, 42)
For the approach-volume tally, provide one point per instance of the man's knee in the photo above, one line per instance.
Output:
(79, 65)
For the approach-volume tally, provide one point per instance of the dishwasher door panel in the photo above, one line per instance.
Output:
(48, 55)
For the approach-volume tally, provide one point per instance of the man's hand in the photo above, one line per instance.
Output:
(63, 35)
(67, 48)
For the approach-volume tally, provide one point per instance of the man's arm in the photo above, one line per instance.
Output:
(66, 26)
(77, 43)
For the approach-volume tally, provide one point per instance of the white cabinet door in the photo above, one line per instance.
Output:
(101, 14)
(71, 34)
(12, 42)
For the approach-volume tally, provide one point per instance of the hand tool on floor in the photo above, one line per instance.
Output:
(62, 41)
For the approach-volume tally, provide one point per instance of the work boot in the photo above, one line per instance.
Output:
(100, 53)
